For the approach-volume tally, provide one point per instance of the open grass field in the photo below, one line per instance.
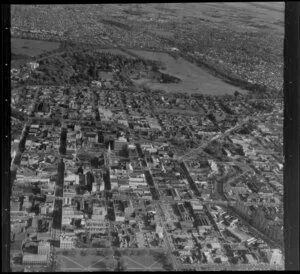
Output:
(31, 48)
(145, 260)
(75, 261)
(193, 78)
(143, 263)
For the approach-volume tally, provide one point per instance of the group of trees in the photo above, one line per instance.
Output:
(60, 173)
(63, 141)
(23, 138)
(117, 24)
(85, 181)
(57, 214)
(79, 65)
(166, 78)
(96, 162)
(262, 106)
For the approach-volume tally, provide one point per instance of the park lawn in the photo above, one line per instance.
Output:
(75, 260)
(143, 262)
(31, 48)
(193, 78)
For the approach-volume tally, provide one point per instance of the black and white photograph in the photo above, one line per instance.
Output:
(151, 137)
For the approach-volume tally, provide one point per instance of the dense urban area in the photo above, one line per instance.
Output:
(122, 161)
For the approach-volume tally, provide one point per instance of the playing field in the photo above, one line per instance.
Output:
(30, 47)
(193, 78)
(143, 263)
(75, 261)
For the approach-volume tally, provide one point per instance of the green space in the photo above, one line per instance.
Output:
(193, 78)
(31, 48)
(114, 51)
(144, 260)
(101, 260)
(79, 66)
(80, 260)
(242, 40)
(143, 263)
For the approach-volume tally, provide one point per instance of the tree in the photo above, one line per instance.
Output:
(23, 138)
(165, 259)
(95, 162)
(83, 253)
(236, 93)
(63, 141)
(80, 170)
(99, 253)
(65, 252)
(117, 253)
(121, 266)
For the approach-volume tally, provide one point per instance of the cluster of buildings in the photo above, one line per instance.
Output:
(210, 45)
(105, 166)
(38, 25)
(20, 75)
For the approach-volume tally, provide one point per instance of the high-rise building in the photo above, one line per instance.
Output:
(119, 144)
(99, 211)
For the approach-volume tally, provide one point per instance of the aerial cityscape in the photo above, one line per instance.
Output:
(147, 137)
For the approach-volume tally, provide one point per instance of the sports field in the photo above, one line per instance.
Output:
(88, 262)
(143, 263)
(31, 48)
(91, 261)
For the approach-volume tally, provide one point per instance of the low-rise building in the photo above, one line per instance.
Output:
(66, 242)
(35, 259)
(44, 248)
